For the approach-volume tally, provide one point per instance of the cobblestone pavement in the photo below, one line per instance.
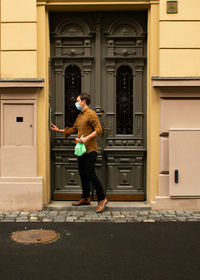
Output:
(85, 215)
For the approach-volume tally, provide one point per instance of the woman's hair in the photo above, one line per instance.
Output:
(85, 96)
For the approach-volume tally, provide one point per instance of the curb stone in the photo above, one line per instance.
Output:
(118, 215)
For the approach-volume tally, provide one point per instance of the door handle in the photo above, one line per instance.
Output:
(176, 176)
(105, 128)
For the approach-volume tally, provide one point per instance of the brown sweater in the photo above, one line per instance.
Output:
(86, 122)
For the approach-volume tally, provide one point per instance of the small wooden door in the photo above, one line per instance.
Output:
(103, 54)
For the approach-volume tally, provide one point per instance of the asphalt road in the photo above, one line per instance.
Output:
(106, 251)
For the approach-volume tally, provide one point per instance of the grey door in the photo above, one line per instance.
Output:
(103, 54)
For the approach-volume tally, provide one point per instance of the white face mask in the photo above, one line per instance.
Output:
(78, 106)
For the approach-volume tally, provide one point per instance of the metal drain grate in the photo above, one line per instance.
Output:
(35, 236)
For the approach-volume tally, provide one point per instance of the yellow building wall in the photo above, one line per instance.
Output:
(24, 55)
(179, 41)
(18, 64)
(187, 10)
(43, 138)
(18, 39)
(0, 37)
(14, 36)
(18, 10)
(153, 104)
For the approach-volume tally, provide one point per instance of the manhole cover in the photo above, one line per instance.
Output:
(35, 236)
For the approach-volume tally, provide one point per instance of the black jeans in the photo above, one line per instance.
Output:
(86, 167)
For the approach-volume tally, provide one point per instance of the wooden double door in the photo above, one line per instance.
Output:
(103, 54)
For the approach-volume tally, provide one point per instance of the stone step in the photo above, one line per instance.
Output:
(111, 206)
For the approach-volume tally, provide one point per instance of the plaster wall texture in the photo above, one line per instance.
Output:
(18, 10)
(176, 34)
(18, 64)
(21, 193)
(164, 154)
(18, 39)
(179, 62)
(179, 43)
(43, 143)
(179, 114)
(163, 185)
(18, 36)
(153, 104)
(179, 53)
(187, 10)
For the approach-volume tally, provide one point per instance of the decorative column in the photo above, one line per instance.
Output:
(138, 81)
(59, 82)
(110, 100)
(98, 66)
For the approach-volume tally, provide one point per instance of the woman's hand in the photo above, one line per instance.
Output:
(54, 127)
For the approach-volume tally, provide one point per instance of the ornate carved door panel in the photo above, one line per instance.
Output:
(103, 54)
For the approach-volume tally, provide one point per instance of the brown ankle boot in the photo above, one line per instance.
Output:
(82, 201)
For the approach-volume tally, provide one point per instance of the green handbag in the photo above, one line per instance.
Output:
(80, 149)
